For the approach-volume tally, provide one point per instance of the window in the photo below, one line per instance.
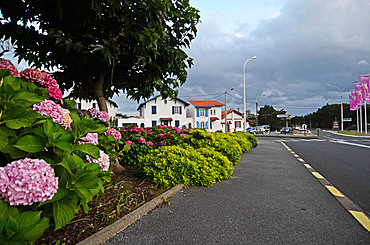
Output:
(201, 112)
(238, 124)
(154, 123)
(165, 102)
(202, 125)
(177, 123)
(154, 109)
(79, 106)
(176, 110)
(94, 105)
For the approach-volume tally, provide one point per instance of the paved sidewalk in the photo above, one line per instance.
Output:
(270, 199)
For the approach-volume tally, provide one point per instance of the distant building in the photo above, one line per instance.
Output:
(234, 121)
(205, 114)
(83, 104)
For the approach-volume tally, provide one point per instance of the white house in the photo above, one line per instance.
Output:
(83, 104)
(205, 114)
(234, 121)
(159, 111)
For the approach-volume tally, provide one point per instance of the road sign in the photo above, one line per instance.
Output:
(349, 119)
(282, 115)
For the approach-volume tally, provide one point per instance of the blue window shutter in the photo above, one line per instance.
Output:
(198, 112)
(206, 112)
(197, 124)
(180, 110)
(206, 125)
(177, 123)
(173, 110)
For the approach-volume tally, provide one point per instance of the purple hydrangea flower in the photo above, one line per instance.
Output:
(93, 112)
(26, 181)
(51, 109)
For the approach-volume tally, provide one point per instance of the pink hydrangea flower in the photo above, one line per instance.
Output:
(183, 135)
(32, 75)
(128, 142)
(51, 109)
(177, 130)
(93, 112)
(141, 140)
(26, 181)
(150, 143)
(161, 126)
(90, 138)
(67, 120)
(8, 65)
(103, 160)
(162, 143)
(55, 93)
(103, 116)
(49, 81)
(115, 133)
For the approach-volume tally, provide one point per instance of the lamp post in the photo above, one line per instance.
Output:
(226, 110)
(257, 108)
(244, 112)
(341, 103)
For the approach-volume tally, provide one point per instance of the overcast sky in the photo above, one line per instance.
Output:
(301, 46)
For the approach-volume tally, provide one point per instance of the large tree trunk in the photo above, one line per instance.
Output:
(99, 94)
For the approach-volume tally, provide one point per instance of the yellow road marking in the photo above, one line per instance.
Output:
(307, 165)
(334, 191)
(362, 218)
(317, 175)
(300, 159)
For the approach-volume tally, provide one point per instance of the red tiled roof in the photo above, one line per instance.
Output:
(214, 118)
(166, 119)
(206, 103)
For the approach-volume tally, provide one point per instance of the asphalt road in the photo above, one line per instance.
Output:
(270, 199)
(342, 160)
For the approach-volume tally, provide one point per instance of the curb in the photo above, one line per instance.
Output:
(288, 136)
(108, 232)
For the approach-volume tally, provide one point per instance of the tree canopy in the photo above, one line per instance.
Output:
(104, 47)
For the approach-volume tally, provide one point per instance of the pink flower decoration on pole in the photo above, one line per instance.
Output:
(26, 181)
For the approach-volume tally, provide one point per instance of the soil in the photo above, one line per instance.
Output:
(122, 195)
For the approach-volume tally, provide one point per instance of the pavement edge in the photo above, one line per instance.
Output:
(351, 207)
(121, 224)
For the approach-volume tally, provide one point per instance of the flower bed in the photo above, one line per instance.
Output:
(56, 161)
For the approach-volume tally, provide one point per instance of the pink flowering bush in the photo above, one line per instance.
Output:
(32, 75)
(113, 132)
(26, 181)
(55, 93)
(8, 65)
(103, 116)
(51, 109)
(90, 138)
(103, 160)
(49, 81)
(95, 114)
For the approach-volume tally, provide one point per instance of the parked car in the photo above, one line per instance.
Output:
(336, 128)
(251, 130)
(286, 130)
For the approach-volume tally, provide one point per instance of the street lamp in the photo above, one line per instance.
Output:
(226, 110)
(341, 103)
(244, 112)
(257, 108)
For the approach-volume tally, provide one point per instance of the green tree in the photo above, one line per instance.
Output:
(267, 115)
(104, 47)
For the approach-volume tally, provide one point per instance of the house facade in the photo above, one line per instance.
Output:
(83, 104)
(160, 111)
(234, 121)
(204, 114)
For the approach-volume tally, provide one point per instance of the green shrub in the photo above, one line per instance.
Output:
(221, 164)
(172, 165)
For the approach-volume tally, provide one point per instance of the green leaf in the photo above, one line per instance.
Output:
(11, 227)
(61, 193)
(66, 162)
(89, 149)
(35, 232)
(29, 143)
(19, 117)
(4, 73)
(66, 146)
(28, 97)
(3, 140)
(6, 210)
(14, 82)
(63, 212)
